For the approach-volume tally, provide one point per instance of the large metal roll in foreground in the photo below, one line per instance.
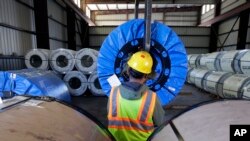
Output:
(237, 86)
(94, 85)
(62, 60)
(76, 82)
(208, 122)
(35, 83)
(167, 50)
(27, 119)
(86, 60)
(37, 58)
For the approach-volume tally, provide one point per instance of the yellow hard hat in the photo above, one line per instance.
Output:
(141, 61)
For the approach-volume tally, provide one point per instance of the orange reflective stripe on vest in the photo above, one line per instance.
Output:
(130, 125)
(141, 123)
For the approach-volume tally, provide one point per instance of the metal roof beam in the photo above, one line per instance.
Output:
(79, 12)
(154, 10)
(236, 11)
(153, 2)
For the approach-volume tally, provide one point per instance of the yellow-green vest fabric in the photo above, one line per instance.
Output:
(131, 120)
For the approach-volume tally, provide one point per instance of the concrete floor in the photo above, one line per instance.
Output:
(189, 96)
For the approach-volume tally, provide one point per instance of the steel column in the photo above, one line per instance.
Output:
(136, 8)
(214, 29)
(85, 33)
(243, 28)
(42, 26)
(71, 20)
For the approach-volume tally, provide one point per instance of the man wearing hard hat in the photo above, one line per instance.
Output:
(133, 109)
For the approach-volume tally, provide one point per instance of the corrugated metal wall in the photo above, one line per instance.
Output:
(208, 15)
(11, 62)
(228, 40)
(17, 32)
(16, 27)
(248, 35)
(188, 18)
(79, 34)
(57, 24)
(228, 5)
(170, 18)
(155, 16)
(196, 39)
(228, 30)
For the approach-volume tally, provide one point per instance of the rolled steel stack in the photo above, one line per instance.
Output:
(86, 60)
(226, 74)
(62, 60)
(94, 85)
(76, 68)
(76, 82)
(37, 58)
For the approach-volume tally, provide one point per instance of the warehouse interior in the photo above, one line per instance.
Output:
(64, 51)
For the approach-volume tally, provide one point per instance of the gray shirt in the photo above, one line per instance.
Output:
(133, 90)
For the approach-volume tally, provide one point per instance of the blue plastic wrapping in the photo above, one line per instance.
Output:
(35, 83)
(168, 51)
(2, 82)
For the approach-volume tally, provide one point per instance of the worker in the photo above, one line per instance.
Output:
(133, 109)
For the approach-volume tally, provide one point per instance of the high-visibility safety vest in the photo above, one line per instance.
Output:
(131, 120)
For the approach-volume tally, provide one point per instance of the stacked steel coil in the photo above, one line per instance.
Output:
(76, 68)
(226, 74)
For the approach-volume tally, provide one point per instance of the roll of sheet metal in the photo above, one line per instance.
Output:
(35, 119)
(193, 74)
(244, 63)
(188, 75)
(194, 60)
(86, 60)
(199, 78)
(206, 122)
(94, 85)
(37, 58)
(237, 62)
(237, 86)
(228, 61)
(212, 60)
(202, 62)
(76, 82)
(213, 82)
(188, 58)
(36, 83)
(95, 52)
(62, 60)
(167, 50)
